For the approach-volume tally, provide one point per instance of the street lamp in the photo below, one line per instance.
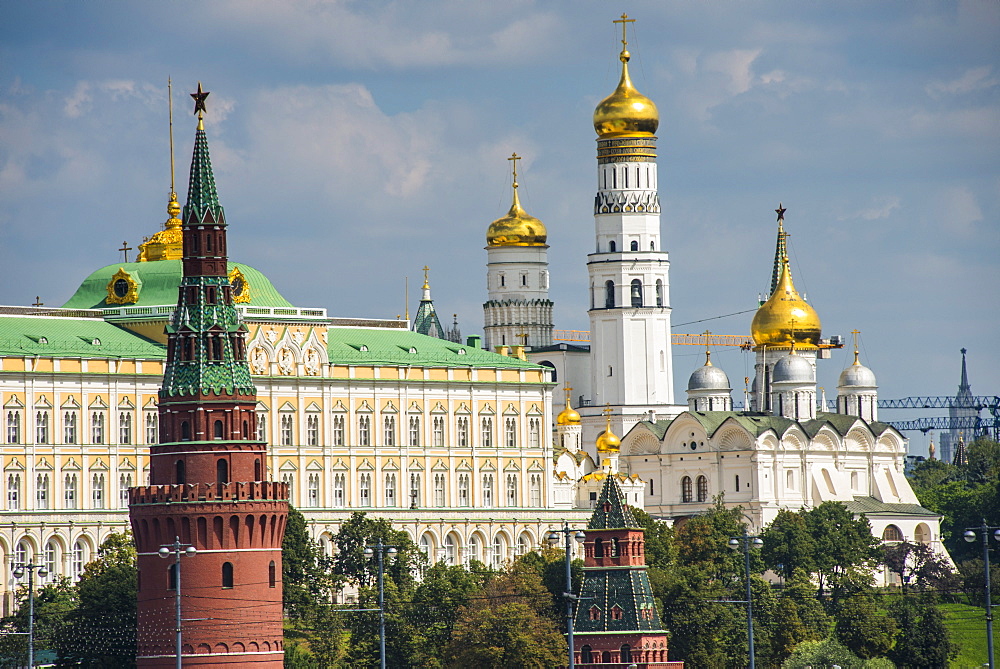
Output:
(553, 539)
(164, 552)
(970, 536)
(747, 542)
(42, 573)
(379, 548)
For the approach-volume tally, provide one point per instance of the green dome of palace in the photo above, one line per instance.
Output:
(156, 284)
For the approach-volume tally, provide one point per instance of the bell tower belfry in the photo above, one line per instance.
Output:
(207, 487)
(631, 368)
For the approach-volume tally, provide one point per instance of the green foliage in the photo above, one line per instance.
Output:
(845, 550)
(823, 653)
(53, 603)
(789, 544)
(923, 641)
(307, 581)
(921, 566)
(100, 632)
(507, 626)
(865, 629)
(550, 565)
(798, 617)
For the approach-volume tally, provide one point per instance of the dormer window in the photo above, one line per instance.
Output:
(363, 348)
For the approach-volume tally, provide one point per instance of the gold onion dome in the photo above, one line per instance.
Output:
(608, 442)
(517, 228)
(569, 415)
(786, 317)
(626, 111)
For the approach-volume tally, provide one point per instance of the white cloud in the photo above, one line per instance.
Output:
(736, 65)
(880, 208)
(959, 210)
(975, 79)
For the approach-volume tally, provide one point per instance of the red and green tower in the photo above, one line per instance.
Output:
(207, 486)
(616, 618)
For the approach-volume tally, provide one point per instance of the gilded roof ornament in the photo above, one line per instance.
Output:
(608, 441)
(167, 244)
(199, 105)
(626, 112)
(517, 228)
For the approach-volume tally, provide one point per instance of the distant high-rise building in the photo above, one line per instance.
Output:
(960, 414)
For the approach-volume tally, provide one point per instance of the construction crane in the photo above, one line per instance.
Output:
(975, 424)
(718, 340)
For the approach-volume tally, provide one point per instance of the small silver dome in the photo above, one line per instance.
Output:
(708, 377)
(857, 375)
(792, 368)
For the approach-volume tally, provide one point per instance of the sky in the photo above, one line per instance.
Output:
(355, 142)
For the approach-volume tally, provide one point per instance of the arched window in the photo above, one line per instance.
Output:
(659, 292)
(365, 490)
(634, 246)
(487, 432)
(612, 247)
(286, 429)
(609, 295)
(338, 431)
(227, 574)
(599, 548)
(702, 489)
(587, 654)
(606, 657)
(217, 430)
(892, 533)
(414, 430)
(185, 431)
(172, 576)
(510, 432)
(222, 471)
(626, 653)
(390, 489)
(272, 575)
(364, 430)
(256, 470)
(463, 490)
(686, 495)
(179, 477)
(487, 490)
(312, 430)
(42, 427)
(390, 430)
(339, 485)
(737, 483)
(546, 363)
(636, 293)
(438, 430)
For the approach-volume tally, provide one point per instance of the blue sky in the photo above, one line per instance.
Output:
(355, 142)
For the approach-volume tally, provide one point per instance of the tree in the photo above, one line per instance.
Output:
(863, 628)
(550, 565)
(919, 564)
(53, 603)
(789, 544)
(798, 616)
(846, 552)
(823, 653)
(507, 626)
(306, 578)
(658, 540)
(100, 632)
(923, 641)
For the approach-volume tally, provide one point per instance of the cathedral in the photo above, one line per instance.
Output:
(477, 449)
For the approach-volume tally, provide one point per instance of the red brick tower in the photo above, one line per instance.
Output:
(207, 485)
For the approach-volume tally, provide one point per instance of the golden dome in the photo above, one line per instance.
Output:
(569, 415)
(167, 244)
(517, 228)
(608, 442)
(626, 111)
(786, 317)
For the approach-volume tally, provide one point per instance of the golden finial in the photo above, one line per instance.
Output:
(568, 390)
(199, 105)
(427, 283)
(608, 442)
(406, 297)
(624, 20)
(514, 158)
(708, 353)
(791, 335)
(856, 333)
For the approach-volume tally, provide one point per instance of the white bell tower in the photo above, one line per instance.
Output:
(629, 269)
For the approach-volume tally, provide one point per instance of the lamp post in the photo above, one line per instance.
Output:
(553, 539)
(18, 573)
(378, 549)
(165, 552)
(746, 542)
(970, 536)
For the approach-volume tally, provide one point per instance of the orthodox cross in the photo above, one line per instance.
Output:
(708, 352)
(568, 390)
(607, 411)
(426, 270)
(855, 333)
(624, 20)
(514, 158)
(792, 335)
(126, 248)
(38, 302)
(524, 338)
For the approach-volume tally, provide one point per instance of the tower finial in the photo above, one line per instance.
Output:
(624, 20)
(856, 332)
(199, 105)
(427, 283)
(708, 352)
(173, 207)
(514, 158)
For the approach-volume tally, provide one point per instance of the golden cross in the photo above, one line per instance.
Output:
(126, 248)
(708, 352)
(624, 20)
(855, 332)
(607, 410)
(38, 302)
(792, 325)
(568, 390)
(514, 158)
(523, 336)
(426, 283)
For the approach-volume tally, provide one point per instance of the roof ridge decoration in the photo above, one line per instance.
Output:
(611, 512)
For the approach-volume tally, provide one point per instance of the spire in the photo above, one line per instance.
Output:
(857, 363)
(961, 457)
(964, 387)
(708, 351)
(167, 244)
(611, 512)
(202, 206)
(426, 320)
(780, 250)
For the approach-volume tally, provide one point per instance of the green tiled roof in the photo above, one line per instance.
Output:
(58, 337)
(360, 346)
(158, 282)
(426, 321)
(203, 200)
(618, 516)
(870, 505)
